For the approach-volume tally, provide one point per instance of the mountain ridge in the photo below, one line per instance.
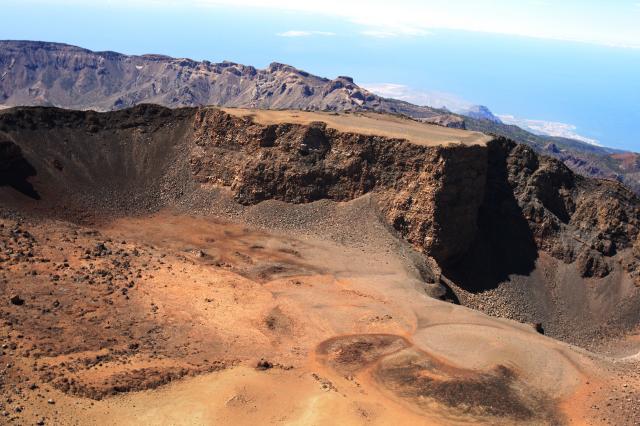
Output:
(37, 73)
(44, 74)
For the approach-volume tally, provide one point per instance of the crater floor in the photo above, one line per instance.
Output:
(176, 318)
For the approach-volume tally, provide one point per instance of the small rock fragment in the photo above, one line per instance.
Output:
(16, 300)
(263, 364)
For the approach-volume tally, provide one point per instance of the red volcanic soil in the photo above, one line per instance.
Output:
(193, 267)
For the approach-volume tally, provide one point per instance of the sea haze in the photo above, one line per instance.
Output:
(594, 88)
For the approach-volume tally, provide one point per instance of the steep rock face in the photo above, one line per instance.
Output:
(600, 217)
(504, 201)
(552, 248)
(429, 194)
(14, 169)
(537, 204)
(438, 197)
(582, 158)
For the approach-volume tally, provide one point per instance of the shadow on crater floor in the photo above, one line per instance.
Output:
(15, 170)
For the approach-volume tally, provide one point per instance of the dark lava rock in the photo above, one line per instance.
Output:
(16, 300)
(263, 364)
(592, 264)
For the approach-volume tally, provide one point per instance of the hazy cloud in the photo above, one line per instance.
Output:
(548, 128)
(394, 32)
(459, 105)
(604, 23)
(433, 99)
(378, 33)
(601, 22)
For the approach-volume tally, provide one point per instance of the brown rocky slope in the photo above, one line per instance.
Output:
(514, 233)
(55, 74)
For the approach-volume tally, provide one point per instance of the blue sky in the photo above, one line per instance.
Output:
(613, 23)
(569, 67)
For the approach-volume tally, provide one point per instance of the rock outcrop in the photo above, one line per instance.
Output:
(570, 217)
(430, 195)
(437, 197)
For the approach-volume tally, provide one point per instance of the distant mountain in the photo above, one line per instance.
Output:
(480, 112)
(41, 73)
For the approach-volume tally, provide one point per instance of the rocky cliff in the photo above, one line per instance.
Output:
(437, 197)
(430, 194)
(583, 158)
(485, 213)
(538, 203)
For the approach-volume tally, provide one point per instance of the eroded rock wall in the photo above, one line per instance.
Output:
(488, 208)
(575, 219)
(431, 195)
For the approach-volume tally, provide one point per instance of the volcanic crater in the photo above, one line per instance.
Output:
(207, 266)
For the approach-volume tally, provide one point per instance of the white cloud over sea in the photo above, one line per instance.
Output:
(548, 128)
(459, 105)
(433, 99)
